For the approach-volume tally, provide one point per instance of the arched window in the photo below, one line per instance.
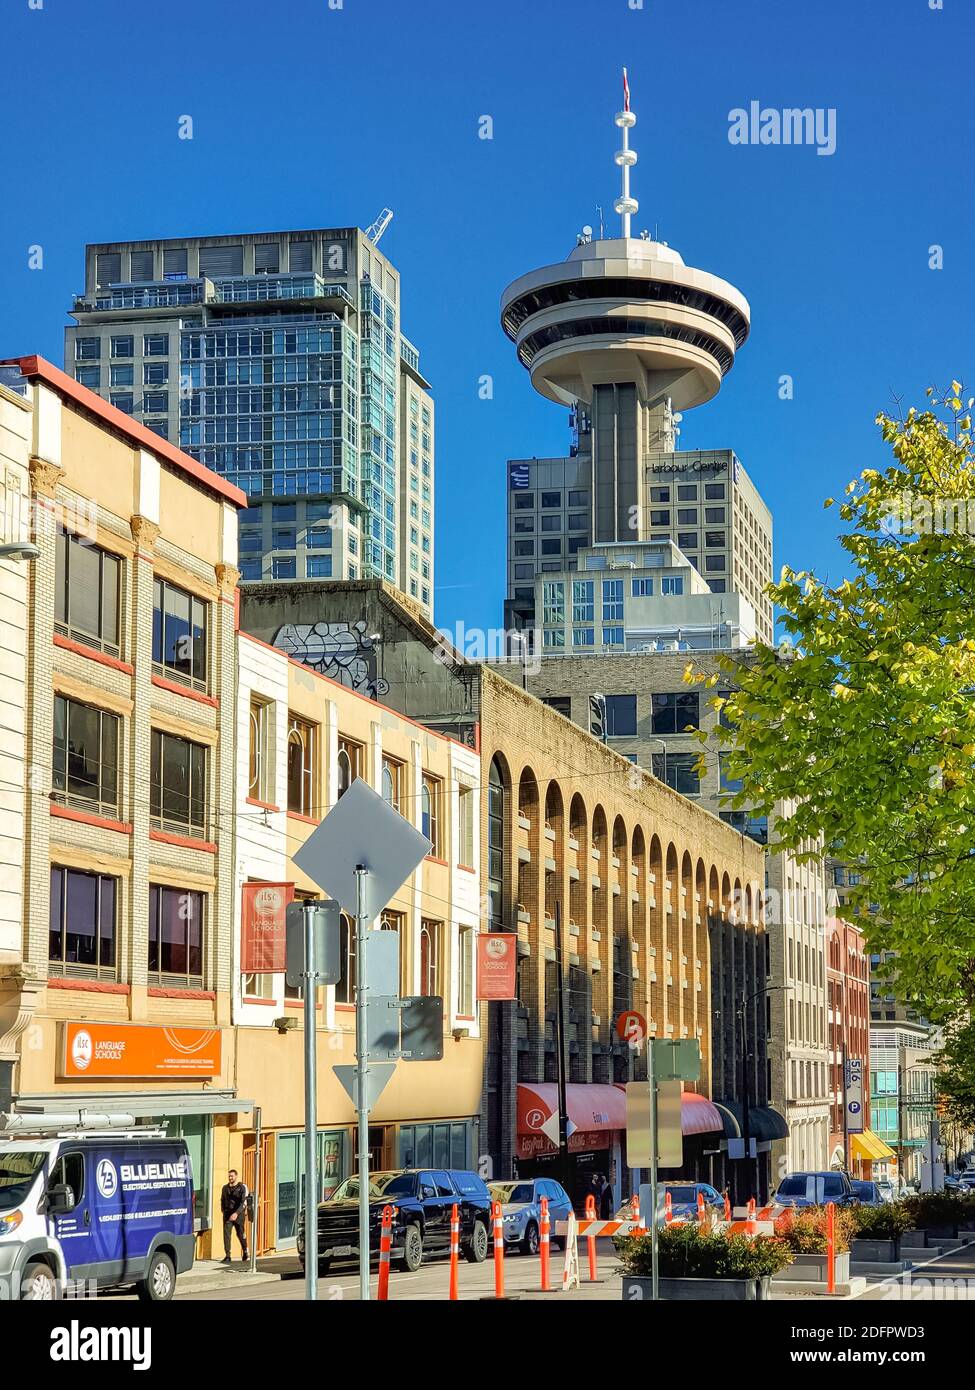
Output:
(495, 836)
(345, 770)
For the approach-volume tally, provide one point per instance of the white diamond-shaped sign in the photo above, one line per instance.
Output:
(364, 829)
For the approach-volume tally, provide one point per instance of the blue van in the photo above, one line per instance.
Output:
(100, 1210)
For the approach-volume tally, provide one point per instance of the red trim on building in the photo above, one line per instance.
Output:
(156, 992)
(177, 689)
(93, 654)
(87, 986)
(35, 366)
(306, 820)
(264, 805)
(268, 1003)
(86, 818)
(184, 841)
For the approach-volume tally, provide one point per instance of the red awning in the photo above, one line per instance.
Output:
(593, 1110)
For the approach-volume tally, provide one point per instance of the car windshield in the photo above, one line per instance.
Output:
(510, 1192)
(380, 1185)
(18, 1170)
(682, 1194)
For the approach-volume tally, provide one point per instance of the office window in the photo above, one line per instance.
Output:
(155, 403)
(174, 263)
(393, 783)
(284, 538)
(620, 715)
(713, 516)
(714, 491)
(613, 636)
(641, 588)
(660, 518)
(122, 375)
(524, 501)
(122, 345)
(302, 750)
(86, 752)
(551, 499)
(140, 267)
(553, 602)
(87, 349)
(266, 258)
(155, 345)
(660, 494)
(686, 516)
(672, 584)
(524, 525)
(122, 400)
(551, 547)
(86, 593)
(91, 377)
(284, 567)
(583, 637)
(179, 634)
(466, 810)
(714, 539)
(318, 567)
(175, 936)
(678, 772)
(714, 562)
(155, 373)
(582, 601)
(250, 569)
(687, 492)
(430, 814)
(82, 923)
(730, 784)
(431, 965)
(671, 713)
(351, 763)
(318, 539)
(612, 600)
(177, 784)
(551, 523)
(466, 968)
(687, 540)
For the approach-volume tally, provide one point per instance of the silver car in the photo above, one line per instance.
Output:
(521, 1204)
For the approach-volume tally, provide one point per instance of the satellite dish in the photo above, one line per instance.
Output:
(587, 230)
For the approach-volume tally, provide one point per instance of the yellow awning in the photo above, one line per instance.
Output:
(868, 1146)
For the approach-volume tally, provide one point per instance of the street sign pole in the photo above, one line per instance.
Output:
(311, 1110)
(362, 1071)
(654, 1149)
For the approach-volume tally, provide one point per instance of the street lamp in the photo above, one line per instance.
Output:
(740, 1016)
(20, 550)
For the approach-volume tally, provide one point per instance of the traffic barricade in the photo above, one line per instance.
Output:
(454, 1250)
(590, 1239)
(385, 1242)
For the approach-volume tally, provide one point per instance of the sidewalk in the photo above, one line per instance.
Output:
(209, 1275)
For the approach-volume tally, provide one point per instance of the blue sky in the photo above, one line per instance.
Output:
(310, 116)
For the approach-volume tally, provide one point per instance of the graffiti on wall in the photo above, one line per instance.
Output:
(345, 652)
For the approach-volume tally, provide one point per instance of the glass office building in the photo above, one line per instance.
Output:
(277, 360)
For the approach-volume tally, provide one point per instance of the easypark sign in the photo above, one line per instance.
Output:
(138, 1052)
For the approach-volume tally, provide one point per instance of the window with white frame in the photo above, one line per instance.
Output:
(466, 991)
(465, 826)
(302, 744)
(259, 780)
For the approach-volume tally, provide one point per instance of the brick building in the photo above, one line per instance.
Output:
(848, 1025)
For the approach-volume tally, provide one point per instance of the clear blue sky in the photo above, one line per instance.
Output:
(308, 116)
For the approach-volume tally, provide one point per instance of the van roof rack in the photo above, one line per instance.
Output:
(79, 1124)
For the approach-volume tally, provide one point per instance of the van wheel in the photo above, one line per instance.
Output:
(160, 1281)
(412, 1257)
(40, 1285)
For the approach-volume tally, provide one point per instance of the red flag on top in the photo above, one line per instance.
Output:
(626, 92)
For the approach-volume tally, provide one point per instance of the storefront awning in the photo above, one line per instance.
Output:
(141, 1104)
(764, 1123)
(593, 1111)
(871, 1147)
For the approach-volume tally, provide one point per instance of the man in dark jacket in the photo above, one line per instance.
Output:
(233, 1205)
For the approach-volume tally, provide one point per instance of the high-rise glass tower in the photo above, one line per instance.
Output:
(277, 360)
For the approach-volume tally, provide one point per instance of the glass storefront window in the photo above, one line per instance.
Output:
(197, 1131)
(444, 1145)
(332, 1168)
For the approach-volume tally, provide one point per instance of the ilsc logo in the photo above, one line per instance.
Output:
(81, 1049)
(106, 1177)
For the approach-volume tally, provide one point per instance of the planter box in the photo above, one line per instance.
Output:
(639, 1287)
(865, 1248)
(936, 1233)
(811, 1269)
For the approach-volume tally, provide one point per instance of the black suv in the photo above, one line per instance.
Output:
(423, 1198)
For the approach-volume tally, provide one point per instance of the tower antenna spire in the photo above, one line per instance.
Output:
(626, 158)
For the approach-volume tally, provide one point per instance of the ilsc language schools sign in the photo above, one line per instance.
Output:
(136, 1051)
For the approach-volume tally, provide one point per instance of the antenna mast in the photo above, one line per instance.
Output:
(626, 158)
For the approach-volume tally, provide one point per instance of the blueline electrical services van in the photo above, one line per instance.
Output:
(107, 1209)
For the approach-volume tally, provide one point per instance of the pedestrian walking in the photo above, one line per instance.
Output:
(606, 1202)
(233, 1206)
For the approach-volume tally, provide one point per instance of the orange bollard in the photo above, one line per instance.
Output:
(545, 1235)
(591, 1240)
(497, 1218)
(727, 1207)
(385, 1241)
(454, 1250)
(702, 1216)
(668, 1209)
(830, 1247)
(750, 1219)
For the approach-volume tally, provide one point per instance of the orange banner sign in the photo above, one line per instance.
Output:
(262, 939)
(132, 1050)
(497, 965)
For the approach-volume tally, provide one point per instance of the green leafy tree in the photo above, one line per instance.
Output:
(865, 724)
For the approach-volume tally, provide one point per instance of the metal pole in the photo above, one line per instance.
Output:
(257, 1187)
(311, 1110)
(560, 1051)
(654, 1147)
(362, 1072)
(846, 1117)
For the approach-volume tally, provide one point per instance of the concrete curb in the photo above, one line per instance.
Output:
(207, 1280)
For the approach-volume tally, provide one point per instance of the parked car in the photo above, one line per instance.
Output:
(868, 1194)
(118, 1210)
(886, 1189)
(683, 1201)
(423, 1198)
(521, 1205)
(815, 1189)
